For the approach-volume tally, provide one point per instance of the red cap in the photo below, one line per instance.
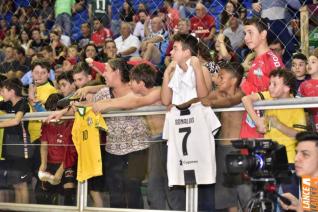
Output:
(98, 66)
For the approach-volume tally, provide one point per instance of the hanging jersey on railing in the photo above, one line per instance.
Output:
(191, 147)
(85, 135)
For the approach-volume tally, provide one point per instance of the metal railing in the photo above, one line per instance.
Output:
(306, 102)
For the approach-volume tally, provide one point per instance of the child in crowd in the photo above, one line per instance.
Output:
(67, 65)
(280, 125)
(39, 91)
(257, 79)
(66, 84)
(41, 88)
(299, 62)
(17, 164)
(227, 94)
(183, 78)
(72, 53)
(309, 87)
(58, 159)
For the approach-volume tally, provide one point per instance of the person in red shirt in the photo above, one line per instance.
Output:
(203, 24)
(172, 16)
(100, 33)
(58, 159)
(257, 79)
(309, 88)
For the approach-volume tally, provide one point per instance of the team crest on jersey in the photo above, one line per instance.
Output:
(81, 110)
(89, 121)
(258, 72)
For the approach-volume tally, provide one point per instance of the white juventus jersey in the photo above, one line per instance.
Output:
(191, 147)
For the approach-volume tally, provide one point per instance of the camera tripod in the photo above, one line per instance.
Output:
(262, 201)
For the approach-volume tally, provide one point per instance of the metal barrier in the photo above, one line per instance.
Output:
(307, 102)
(215, 8)
(304, 102)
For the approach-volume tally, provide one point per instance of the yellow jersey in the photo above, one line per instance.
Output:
(42, 93)
(85, 134)
(293, 118)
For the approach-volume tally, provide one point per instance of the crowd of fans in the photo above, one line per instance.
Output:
(116, 57)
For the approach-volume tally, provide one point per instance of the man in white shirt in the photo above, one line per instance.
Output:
(155, 44)
(127, 44)
(235, 32)
(139, 30)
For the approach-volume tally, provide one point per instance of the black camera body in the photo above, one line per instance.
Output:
(265, 159)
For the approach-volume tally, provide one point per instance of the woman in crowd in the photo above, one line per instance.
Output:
(227, 12)
(91, 51)
(12, 37)
(223, 49)
(126, 149)
(127, 12)
(24, 40)
(59, 50)
(208, 64)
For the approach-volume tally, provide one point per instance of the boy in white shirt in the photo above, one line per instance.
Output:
(183, 78)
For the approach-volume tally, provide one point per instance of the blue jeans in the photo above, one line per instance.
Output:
(159, 195)
(64, 20)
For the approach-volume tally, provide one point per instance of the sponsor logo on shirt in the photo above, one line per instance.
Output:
(89, 121)
(275, 59)
(258, 72)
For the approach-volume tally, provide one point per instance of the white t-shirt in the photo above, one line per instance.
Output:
(183, 84)
(191, 147)
(123, 45)
(139, 30)
(237, 37)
